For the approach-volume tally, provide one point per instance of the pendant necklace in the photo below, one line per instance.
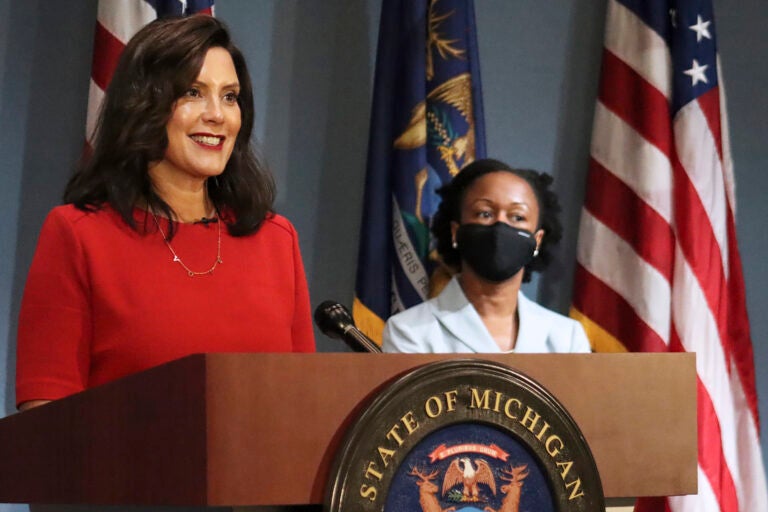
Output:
(190, 272)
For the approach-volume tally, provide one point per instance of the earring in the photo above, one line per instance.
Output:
(535, 252)
(454, 245)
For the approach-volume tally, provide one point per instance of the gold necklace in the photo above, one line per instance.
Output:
(190, 272)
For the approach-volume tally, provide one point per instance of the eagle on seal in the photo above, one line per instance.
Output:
(461, 471)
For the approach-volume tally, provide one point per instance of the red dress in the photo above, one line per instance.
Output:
(103, 300)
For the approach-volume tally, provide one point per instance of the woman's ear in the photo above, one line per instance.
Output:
(539, 236)
(454, 228)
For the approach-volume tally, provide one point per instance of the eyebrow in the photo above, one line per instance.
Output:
(513, 203)
(232, 85)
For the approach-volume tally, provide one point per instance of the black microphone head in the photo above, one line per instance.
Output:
(333, 319)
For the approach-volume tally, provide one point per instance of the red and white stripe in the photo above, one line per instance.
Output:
(658, 267)
(117, 21)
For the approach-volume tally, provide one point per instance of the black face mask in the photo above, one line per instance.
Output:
(496, 252)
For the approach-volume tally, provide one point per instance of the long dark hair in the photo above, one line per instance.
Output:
(453, 195)
(155, 69)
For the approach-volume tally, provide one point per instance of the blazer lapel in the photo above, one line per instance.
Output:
(532, 331)
(460, 319)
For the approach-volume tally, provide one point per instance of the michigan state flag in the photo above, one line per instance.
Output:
(426, 124)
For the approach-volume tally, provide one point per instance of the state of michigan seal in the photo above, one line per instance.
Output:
(464, 435)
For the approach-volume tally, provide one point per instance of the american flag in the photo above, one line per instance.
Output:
(116, 22)
(658, 267)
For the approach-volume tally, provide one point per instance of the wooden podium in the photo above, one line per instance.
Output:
(263, 429)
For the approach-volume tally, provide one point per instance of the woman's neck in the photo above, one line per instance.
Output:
(489, 297)
(189, 200)
(496, 303)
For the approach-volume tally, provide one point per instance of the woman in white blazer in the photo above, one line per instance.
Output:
(495, 225)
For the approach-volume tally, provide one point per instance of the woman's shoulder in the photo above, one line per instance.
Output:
(450, 299)
(566, 333)
(412, 330)
(274, 222)
(96, 224)
(532, 308)
(67, 212)
(415, 315)
(74, 216)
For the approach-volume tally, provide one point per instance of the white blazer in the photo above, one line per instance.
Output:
(449, 323)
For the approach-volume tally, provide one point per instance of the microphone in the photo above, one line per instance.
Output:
(335, 321)
(206, 220)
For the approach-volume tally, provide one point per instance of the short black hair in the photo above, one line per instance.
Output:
(453, 194)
